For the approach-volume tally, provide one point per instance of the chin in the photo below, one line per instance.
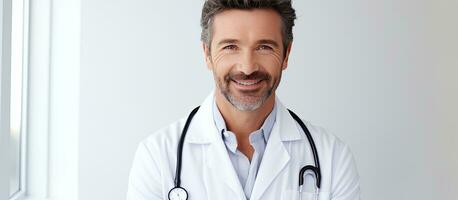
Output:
(246, 103)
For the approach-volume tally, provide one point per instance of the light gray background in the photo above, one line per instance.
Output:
(381, 75)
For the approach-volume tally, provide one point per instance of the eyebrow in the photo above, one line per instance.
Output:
(262, 41)
(227, 41)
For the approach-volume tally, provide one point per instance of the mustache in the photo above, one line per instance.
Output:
(257, 75)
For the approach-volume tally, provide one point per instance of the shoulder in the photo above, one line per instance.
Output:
(333, 151)
(165, 138)
(151, 161)
(323, 138)
(154, 151)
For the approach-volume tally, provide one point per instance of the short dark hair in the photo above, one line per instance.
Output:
(282, 7)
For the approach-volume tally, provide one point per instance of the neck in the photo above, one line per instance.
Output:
(242, 123)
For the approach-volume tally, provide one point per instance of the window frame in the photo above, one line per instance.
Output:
(6, 139)
(24, 102)
(54, 42)
(52, 39)
(37, 36)
(5, 74)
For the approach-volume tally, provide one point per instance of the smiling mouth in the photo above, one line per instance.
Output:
(247, 82)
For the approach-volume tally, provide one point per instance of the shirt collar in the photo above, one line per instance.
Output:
(266, 127)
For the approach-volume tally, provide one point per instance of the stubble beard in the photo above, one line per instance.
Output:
(249, 101)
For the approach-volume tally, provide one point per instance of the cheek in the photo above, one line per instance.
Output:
(224, 63)
(272, 64)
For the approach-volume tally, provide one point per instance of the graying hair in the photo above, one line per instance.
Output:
(282, 7)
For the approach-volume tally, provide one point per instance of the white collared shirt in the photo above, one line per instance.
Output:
(245, 170)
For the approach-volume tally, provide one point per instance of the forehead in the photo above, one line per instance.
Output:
(251, 24)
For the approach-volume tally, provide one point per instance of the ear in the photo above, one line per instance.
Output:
(285, 61)
(207, 55)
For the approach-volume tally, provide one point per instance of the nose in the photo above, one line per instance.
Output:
(248, 63)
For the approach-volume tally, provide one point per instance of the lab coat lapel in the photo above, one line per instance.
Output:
(220, 170)
(276, 156)
(219, 174)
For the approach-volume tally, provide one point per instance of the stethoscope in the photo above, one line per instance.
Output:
(179, 193)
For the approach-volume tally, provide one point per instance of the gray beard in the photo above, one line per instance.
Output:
(243, 105)
(248, 104)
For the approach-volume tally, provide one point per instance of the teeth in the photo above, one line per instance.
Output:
(247, 83)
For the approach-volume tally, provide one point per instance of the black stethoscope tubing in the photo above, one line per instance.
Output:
(315, 169)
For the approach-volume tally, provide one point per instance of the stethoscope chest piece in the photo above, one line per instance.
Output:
(178, 193)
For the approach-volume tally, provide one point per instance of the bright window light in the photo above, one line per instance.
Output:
(16, 96)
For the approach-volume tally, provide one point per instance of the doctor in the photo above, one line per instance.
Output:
(243, 143)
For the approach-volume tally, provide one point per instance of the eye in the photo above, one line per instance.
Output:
(265, 47)
(230, 47)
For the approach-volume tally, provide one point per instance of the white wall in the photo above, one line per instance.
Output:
(381, 75)
(138, 59)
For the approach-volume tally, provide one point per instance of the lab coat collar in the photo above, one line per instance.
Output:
(216, 159)
(287, 125)
(203, 130)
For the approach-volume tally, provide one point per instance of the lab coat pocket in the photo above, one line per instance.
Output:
(294, 195)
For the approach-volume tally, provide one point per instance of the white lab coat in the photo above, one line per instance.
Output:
(207, 172)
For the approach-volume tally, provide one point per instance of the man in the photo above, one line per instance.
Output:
(243, 143)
